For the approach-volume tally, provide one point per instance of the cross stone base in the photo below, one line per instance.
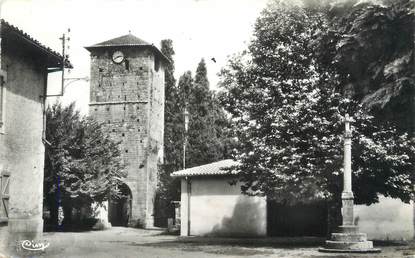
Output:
(349, 240)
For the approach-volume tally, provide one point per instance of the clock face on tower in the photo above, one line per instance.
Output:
(118, 57)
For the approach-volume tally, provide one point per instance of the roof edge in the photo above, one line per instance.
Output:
(210, 169)
(47, 50)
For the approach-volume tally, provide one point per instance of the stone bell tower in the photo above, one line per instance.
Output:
(127, 96)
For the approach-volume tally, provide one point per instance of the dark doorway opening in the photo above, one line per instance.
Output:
(296, 220)
(119, 211)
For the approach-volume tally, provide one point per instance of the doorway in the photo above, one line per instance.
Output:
(119, 211)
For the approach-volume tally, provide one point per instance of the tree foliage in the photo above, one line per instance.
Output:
(82, 164)
(207, 136)
(372, 44)
(286, 110)
(169, 188)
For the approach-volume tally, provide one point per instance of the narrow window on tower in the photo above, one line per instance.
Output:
(156, 63)
(127, 65)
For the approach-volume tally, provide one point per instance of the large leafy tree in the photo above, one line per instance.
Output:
(82, 164)
(286, 110)
(372, 44)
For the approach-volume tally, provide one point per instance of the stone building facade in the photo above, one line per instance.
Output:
(127, 96)
(25, 65)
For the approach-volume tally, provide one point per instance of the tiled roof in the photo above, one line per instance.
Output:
(211, 169)
(8, 28)
(128, 40)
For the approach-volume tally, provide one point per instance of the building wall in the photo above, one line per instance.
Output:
(390, 219)
(218, 208)
(21, 147)
(156, 135)
(129, 100)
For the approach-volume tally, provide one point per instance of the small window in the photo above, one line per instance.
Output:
(96, 109)
(138, 120)
(127, 65)
(126, 151)
(141, 68)
(108, 109)
(113, 130)
(2, 104)
(125, 97)
(109, 122)
(122, 120)
(138, 129)
(123, 134)
(156, 63)
(124, 108)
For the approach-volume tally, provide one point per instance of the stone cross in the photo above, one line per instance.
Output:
(348, 239)
(347, 194)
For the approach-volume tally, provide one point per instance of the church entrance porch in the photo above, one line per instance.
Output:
(119, 211)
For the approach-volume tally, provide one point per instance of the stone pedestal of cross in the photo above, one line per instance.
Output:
(348, 239)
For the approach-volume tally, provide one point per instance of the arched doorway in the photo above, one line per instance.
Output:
(119, 211)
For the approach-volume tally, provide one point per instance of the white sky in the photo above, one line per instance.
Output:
(198, 28)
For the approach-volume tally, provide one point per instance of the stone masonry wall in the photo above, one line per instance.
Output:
(122, 99)
(156, 135)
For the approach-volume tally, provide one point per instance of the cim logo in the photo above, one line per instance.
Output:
(31, 245)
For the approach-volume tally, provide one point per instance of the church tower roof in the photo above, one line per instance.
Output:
(128, 40)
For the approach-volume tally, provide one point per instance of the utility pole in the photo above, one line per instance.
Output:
(65, 57)
(186, 125)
